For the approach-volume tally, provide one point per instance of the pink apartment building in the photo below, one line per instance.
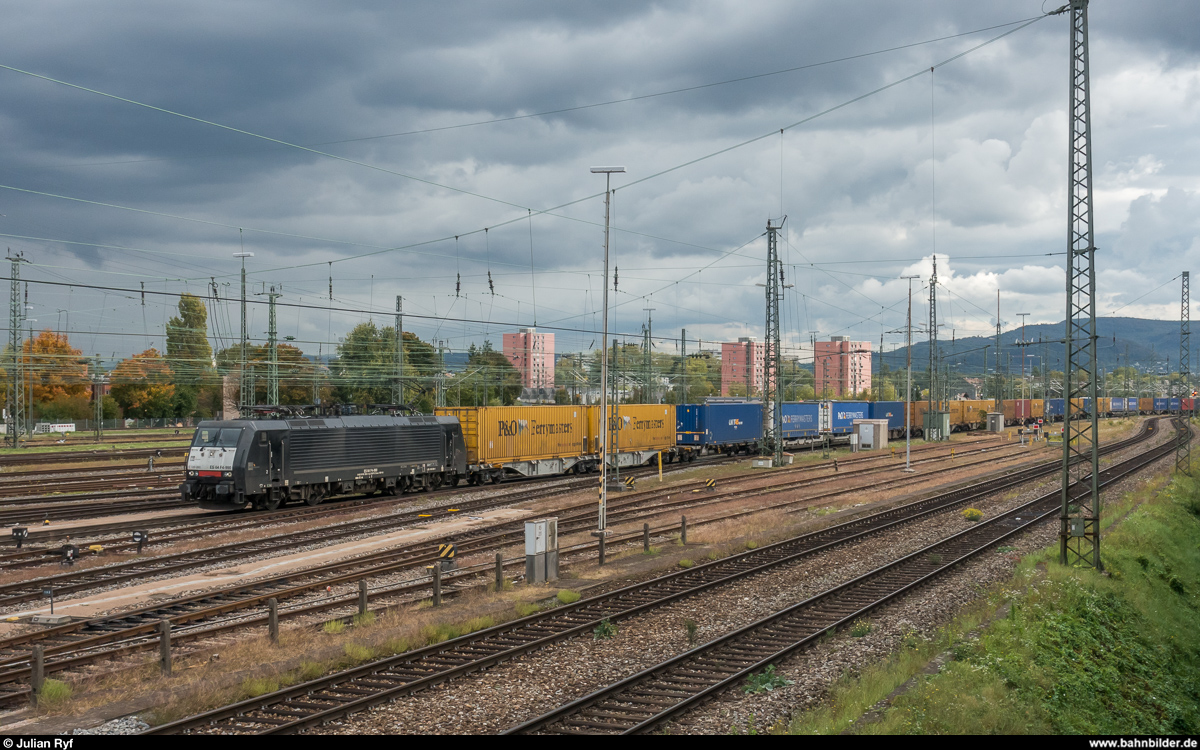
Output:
(743, 363)
(843, 367)
(532, 353)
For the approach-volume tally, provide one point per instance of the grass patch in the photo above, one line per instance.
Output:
(567, 596)
(1079, 652)
(652, 551)
(364, 619)
(692, 629)
(255, 686)
(972, 514)
(686, 563)
(751, 545)
(334, 627)
(357, 653)
(54, 695)
(860, 628)
(525, 609)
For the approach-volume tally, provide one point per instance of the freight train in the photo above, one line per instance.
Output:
(264, 463)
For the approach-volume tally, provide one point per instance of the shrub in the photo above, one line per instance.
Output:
(972, 514)
(686, 563)
(525, 609)
(692, 629)
(604, 630)
(567, 596)
(765, 681)
(860, 628)
(334, 627)
(751, 545)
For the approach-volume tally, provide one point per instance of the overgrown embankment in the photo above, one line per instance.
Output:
(1074, 652)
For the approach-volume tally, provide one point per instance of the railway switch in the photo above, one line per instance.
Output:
(20, 533)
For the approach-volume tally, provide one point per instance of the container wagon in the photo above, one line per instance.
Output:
(1054, 409)
(802, 420)
(1145, 406)
(843, 413)
(525, 440)
(893, 412)
(719, 428)
(1162, 405)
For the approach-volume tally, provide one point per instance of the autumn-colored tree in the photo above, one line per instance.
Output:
(143, 385)
(297, 374)
(53, 368)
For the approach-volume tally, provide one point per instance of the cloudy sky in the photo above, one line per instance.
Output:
(398, 148)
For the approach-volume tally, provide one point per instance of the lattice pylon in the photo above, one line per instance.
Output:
(1183, 450)
(1079, 533)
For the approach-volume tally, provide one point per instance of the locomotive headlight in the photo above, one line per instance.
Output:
(191, 473)
(229, 473)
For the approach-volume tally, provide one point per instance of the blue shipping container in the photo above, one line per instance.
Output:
(1175, 405)
(1117, 404)
(1054, 407)
(1162, 404)
(892, 411)
(801, 420)
(718, 424)
(688, 428)
(843, 414)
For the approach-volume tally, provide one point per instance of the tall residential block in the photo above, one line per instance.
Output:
(843, 367)
(742, 365)
(532, 353)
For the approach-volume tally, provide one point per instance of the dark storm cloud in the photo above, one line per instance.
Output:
(856, 184)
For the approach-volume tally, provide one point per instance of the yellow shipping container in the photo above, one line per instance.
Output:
(1146, 405)
(1037, 408)
(640, 427)
(496, 435)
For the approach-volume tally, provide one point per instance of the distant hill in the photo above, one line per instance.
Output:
(1152, 346)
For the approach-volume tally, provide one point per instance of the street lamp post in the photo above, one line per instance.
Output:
(604, 442)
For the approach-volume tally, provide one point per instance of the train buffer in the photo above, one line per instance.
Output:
(446, 554)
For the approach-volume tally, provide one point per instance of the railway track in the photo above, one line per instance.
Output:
(16, 593)
(332, 697)
(217, 612)
(646, 700)
(67, 457)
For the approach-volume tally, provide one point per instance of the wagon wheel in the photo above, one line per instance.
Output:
(434, 481)
(274, 500)
(314, 497)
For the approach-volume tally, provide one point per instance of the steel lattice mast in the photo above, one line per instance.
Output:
(16, 385)
(1079, 533)
(1183, 453)
(934, 406)
(272, 348)
(772, 362)
(398, 330)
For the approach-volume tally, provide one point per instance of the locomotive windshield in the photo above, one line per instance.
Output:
(217, 437)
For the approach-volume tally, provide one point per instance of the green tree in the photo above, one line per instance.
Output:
(143, 385)
(365, 369)
(488, 380)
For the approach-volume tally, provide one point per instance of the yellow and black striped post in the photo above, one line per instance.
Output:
(711, 485)
(446, 554)
(630, 482)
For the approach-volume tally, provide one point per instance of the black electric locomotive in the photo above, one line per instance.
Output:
(266, 463)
